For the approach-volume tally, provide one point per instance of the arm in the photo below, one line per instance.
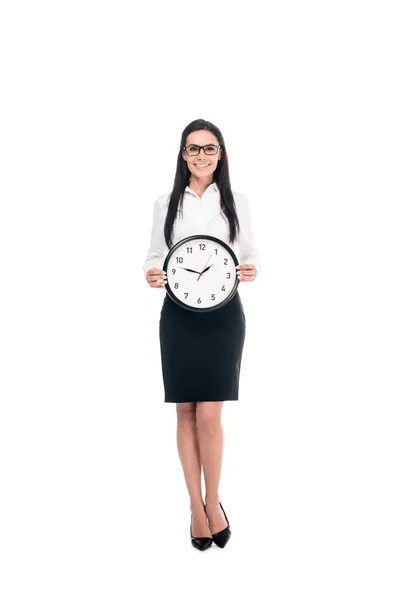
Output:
(155, 254)
(248, 252)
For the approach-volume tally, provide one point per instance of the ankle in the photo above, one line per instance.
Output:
(197, 507)
(212, 501)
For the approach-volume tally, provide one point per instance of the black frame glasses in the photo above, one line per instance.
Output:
(216, 146)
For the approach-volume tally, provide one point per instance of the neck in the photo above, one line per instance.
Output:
(199, 185)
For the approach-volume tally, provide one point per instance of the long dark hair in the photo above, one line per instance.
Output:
(221, 178)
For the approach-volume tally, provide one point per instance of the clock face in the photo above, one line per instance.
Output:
(201, 273)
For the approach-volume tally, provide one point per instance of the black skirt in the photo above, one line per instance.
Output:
(201, 353)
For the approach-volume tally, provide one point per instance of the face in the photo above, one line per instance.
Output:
(203, 165)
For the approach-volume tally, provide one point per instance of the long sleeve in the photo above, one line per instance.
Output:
(248, 252)
(155, 254)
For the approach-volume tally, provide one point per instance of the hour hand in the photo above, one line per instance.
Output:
(207, 268)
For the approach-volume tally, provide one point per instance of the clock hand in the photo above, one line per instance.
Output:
(206, 263)
(191, 270)
(204, 270)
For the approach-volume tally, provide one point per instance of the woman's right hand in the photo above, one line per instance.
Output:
(156, 278)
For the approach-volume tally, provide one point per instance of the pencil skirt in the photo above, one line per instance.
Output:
(201, 353)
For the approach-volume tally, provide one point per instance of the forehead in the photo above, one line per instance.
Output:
(201, 137)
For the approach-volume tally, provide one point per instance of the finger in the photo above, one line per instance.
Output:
(156, 276)
(155, 272)
(157, 281)
(246, 278)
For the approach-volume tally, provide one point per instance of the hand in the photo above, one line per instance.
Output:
(156, 278)
(246, 272)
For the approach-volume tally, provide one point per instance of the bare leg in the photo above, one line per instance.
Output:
(189, 454)
(211, 443)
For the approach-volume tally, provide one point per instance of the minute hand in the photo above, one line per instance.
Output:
(204, 270)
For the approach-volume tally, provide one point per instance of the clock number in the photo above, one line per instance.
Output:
(189, 250)
(173, 271)
(212, 296)
(225, 261)
(186, 295)
(216, 250)
(223, 289)
(179, 259)
(176, 285)
(202, 246)
(199, 301)
(228, 275)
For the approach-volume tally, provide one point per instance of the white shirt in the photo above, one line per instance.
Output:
(202, 216)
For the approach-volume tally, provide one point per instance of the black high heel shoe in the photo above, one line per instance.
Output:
(201, 543)
(221, 538)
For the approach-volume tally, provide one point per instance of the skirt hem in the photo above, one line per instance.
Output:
(182, 401)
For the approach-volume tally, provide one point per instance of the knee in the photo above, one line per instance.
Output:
(208, 422)
(186, 414)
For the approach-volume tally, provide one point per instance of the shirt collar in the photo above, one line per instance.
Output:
(212, 186)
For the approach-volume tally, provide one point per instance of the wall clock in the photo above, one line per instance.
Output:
(201, 273)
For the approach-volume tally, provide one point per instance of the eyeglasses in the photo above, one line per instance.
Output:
(193, 149)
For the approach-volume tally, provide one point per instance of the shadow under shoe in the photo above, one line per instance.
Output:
(201, 543)
(221, 537)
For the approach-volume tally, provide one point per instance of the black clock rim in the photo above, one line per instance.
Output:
(181, 243)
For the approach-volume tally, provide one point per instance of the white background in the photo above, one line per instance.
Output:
(94, 99)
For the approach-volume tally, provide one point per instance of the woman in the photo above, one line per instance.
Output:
(202, 202)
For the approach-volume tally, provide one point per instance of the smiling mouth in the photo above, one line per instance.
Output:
(202, 166)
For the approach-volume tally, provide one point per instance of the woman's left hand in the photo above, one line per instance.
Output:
(246, 272)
